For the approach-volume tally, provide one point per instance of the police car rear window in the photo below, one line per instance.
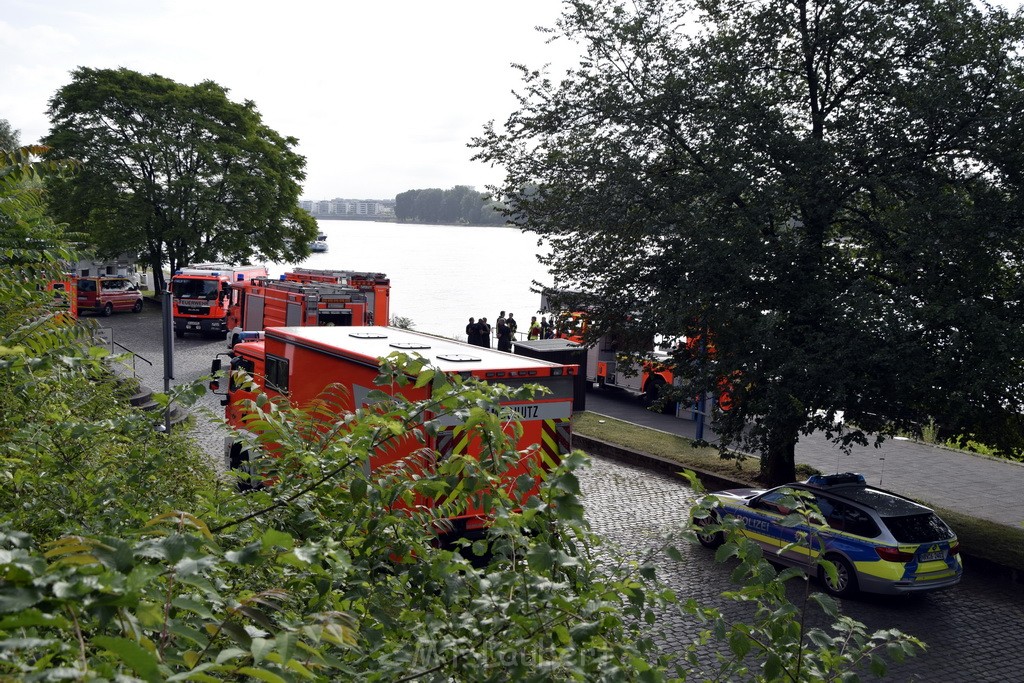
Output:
(918, 528)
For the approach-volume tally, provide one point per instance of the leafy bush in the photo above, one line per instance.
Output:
(334, 574)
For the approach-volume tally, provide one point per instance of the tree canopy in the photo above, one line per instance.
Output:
(827, 193)
(175, 173)
(459, 205)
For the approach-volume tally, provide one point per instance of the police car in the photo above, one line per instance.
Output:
(878, 541)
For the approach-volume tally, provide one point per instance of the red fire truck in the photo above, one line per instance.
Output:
(260, 303)
(376, 286)
(300, 362)
(65, 294)
(607, 366)
(201, 294)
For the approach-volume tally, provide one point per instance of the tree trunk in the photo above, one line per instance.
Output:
(778, 464)
(159, 283)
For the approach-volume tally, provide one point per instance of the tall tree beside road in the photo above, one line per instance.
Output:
(829, 193)
(176, 173)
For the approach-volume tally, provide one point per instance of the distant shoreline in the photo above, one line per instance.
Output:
(378, 219)
(383, 219)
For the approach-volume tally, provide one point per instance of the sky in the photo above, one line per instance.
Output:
(383, 96)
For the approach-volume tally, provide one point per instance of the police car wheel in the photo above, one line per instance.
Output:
(845, 583)
(709, 539)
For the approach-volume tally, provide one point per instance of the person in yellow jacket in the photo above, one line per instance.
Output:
(534, 332)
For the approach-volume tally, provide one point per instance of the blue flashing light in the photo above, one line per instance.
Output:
(241, 276)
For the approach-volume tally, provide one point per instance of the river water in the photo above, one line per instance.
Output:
(440, 274)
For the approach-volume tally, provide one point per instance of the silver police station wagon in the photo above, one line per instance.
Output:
(878, 541)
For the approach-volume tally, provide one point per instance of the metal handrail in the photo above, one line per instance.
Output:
(126, 350)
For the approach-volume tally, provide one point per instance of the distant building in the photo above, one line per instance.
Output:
(349, 208)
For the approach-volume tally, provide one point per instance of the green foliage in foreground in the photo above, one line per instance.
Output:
(137, 568)
(333, 574)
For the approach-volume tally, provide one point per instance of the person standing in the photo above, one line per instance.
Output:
(504, 334)
(484, 339)
(545, 329)
(534, 331)
(471, 331)
(512, 325)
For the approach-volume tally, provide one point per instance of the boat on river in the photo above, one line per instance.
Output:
(320, 244)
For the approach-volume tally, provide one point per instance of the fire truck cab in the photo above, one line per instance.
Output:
(300, 362)
(201, 296)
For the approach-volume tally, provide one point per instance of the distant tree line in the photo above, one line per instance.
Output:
(459, 205)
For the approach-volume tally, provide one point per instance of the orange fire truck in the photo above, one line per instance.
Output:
(201, 295)
(65, 294)
(376, 286)
(300, 362)
(260, 303)
(609, 367)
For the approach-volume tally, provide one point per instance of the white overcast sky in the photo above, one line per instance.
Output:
(383, 95)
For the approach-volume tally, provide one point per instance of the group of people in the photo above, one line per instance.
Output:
(478, 332)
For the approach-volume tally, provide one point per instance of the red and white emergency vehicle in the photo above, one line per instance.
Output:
(201, 296)
(300, 362)
(260, 303)
(607, 366)
(65, 294)
(376, 286)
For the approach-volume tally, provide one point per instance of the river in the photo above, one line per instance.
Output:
(440, 274)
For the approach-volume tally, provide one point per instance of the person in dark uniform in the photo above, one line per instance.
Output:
(512, 325)
(471, 331)
(484, 339)
(504, 334)
(545, 329)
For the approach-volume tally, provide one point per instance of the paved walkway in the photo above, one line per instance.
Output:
(974, 485)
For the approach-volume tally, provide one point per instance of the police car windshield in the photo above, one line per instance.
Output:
(925, 528)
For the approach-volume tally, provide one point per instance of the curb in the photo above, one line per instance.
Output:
(714, 481)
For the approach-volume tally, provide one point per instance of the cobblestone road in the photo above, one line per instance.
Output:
(974, 632)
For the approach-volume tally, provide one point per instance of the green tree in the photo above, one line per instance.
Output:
(175, 173)
(8, 136)
(826, 192)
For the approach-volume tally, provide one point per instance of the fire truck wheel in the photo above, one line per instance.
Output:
(652, 392)
(108, 310)
(137, 308)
